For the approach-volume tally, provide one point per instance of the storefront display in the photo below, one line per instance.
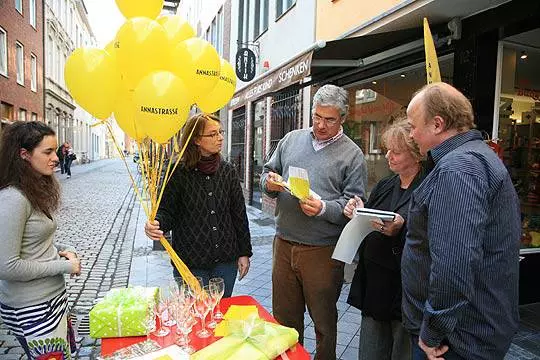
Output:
(519, 130)
(377, 102)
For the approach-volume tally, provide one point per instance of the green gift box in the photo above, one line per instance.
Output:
(123, 312)
(252, 339)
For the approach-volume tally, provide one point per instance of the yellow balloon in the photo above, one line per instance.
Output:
(176, 27)
(197, 63)
(92, 80)
(162, 105)
(124, 114)
(134, 8)
(141, 47)
(220, 95)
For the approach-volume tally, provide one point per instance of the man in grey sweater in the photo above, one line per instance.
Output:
(303, 271)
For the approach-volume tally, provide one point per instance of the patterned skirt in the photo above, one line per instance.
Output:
(44, 330)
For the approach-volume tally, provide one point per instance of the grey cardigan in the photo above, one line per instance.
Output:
(31, 271)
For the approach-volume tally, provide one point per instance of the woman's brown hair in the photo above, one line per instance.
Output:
(42, 191)
(195, 123)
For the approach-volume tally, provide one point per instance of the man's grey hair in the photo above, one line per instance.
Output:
(332, 95)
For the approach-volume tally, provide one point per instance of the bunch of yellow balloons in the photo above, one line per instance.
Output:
(151, 74)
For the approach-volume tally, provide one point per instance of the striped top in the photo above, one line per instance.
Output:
(460, 263)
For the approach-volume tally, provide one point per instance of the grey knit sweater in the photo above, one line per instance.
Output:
(336, 173)
(31, 271)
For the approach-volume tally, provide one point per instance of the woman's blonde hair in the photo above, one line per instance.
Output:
(398, 134)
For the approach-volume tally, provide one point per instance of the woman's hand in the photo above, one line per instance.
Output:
(243, 266)
(151, 228)
(353, 203)
(74, 260)
(389, 228)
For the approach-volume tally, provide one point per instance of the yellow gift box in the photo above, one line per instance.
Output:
(248, 337)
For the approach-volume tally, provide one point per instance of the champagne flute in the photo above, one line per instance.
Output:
(214, 299)
(202, 306)
(160, 309)
(220, 284)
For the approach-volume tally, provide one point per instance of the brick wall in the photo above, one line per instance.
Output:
(18, 28)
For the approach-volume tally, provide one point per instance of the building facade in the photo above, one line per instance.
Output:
(21, 61)
(261, 114)
(67, 28)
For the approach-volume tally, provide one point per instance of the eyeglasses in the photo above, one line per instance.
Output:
(214, 134)
(330, 121)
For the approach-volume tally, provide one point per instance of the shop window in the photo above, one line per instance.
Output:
(238, 141)
(376, 102)
(285, 116)
(518, 135)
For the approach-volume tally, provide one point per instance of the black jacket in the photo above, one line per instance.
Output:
(207, 216)
(382, 300)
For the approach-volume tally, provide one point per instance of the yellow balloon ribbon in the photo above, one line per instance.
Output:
(92, 80)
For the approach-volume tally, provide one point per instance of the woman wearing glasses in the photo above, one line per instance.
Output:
(376, 286)
(203, 205)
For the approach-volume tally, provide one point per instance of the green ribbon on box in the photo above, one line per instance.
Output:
(252, 339)
(123, 312)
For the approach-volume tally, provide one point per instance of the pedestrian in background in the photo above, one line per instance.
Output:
(61, 153)
(303, 272)
(376, 286)
(203, 204)
(69, 157)
(33, 299)
(460, 263)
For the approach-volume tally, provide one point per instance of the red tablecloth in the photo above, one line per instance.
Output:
(110, 345)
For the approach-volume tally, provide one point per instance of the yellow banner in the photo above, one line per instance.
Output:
(432, 64)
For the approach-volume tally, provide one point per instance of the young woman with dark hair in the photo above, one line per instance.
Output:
(33, 299)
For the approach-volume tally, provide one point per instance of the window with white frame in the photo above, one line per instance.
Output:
(33, 72)
(34, 117)
(22, 115)
(19, 48)
(33, 12)
(49, 64)
(58, 56)
(282, 6)
(18, 5)
(261, 17)
(70, 22)
(3, 52)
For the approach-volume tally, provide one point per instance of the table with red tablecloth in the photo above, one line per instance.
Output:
(110, 345)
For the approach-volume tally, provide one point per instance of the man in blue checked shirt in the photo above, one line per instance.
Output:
(460, 263)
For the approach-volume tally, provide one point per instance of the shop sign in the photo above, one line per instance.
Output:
(289, 74)
(245, 64)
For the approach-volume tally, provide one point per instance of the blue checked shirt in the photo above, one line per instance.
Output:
(460, 264)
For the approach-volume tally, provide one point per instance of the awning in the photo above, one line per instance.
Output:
(327, 58)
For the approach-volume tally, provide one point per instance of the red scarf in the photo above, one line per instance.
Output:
(209, 165)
